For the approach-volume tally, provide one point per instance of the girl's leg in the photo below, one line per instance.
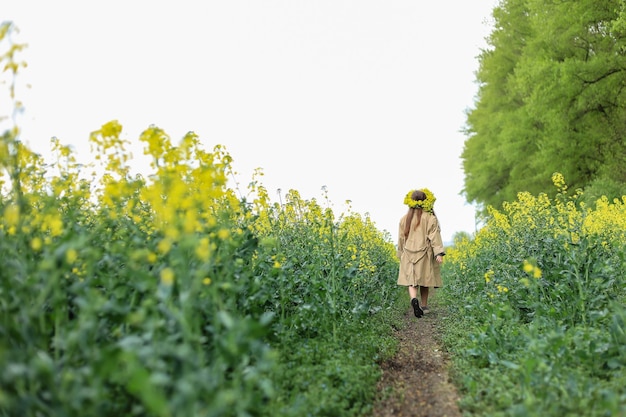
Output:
(412, 291)
(414, 302)
(423, 296)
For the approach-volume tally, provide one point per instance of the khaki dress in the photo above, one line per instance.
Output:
(417, 253)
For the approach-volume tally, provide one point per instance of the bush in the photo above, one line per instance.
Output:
(538, 318)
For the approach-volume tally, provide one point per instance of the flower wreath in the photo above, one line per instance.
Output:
(427, 204)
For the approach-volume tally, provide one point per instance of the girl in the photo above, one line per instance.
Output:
(420, 248)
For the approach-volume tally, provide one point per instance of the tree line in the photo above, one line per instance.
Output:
(551, 98)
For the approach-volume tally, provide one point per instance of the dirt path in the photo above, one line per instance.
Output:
(415, 382)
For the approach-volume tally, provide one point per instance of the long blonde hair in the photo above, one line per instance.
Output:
(418, 195)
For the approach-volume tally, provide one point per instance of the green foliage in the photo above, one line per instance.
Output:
(209, 306)
(329, 283)
(166, 295)
(550, 99)
(537, 302)
(604, 186)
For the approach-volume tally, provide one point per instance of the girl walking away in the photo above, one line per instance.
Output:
(420, 249)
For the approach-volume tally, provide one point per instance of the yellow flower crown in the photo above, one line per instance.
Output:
(427, 204)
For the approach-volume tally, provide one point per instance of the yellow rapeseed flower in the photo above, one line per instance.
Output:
(164, 246)
(528, 267)
(53, 224)
(531, 269)
(206, 281)
(71, 255)
(559, 181)
(12, 214)
(167, 276)
(203, 250)
(191, 222)
(36, 244)
(426, 204)
(172, 233)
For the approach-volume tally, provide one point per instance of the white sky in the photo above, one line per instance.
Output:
(365, 97)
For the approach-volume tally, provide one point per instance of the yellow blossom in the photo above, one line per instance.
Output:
(172, 233)
(36, 244)
(164, 246)
(12, 214)
(53, 224)
(531, 269)
(167, 276)
(203, 250)
(71, 255)
(206, 281)
(559, 181)
(528, 267)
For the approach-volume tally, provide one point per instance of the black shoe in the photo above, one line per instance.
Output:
(416, 308)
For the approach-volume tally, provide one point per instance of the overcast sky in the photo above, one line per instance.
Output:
(364, 97)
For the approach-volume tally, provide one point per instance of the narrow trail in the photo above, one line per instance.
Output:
(415, 382)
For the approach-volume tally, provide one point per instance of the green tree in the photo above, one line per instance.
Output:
(493, 126)
(551, 98)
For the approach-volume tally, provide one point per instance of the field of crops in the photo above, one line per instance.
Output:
(538, 303)
(173, 295)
